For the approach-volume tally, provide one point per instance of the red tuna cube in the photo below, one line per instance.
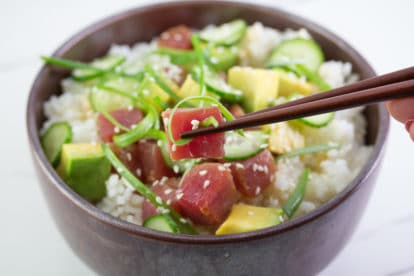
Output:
(205, 146)
(125, 117)
(253, 175)
(207, 193)
(166, 189)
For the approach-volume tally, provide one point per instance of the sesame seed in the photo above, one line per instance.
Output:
(239, 166)
(116, 129)
(155, 183)
(203, 172)
(206, 184)
(139, 172)
(179, 195)
(258, 190)
(263, 146)
(176, 169)
(165, 121)
(163, 179)
(183, 220)
(214, 60)
(133, 126)
(168, 191)
(129, 156)
(174, 147)
(178, 37)
(130, 108)
(159, 143)
(165, 36)
(168, 201)
(221, 168)
(195, 124)
(158, 200)
(227, 165)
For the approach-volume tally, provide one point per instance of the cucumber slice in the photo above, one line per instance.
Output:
(161, 222)
(316, 121)
(221, 58)
(239, 147)
(104, 98)
(226, 34)
(53, 139)
(297, 50)
(106, 63)
(218, 86)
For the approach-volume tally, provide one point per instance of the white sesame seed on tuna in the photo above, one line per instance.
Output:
(203, 172)
(116, 129)
(221, 168)
(129, 156)
(168, 191)
(176, 169)
(258, 190)
(179, 195)
(239, 166)
(206, 184)
(158, 199)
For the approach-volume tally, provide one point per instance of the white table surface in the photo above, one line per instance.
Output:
(29, 241)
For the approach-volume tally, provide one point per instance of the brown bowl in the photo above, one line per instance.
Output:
(302, 246)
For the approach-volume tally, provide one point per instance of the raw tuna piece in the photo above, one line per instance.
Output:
(167, 190)
(208, 193)
(125, 117)
(253, 175)
(205, 146)
(144, 159)
(177, 37)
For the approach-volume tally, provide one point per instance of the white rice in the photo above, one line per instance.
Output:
(329, 176)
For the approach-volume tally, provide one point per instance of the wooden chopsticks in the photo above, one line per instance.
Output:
(398, 84)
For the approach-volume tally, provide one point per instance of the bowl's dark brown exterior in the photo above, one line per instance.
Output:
(112, 247)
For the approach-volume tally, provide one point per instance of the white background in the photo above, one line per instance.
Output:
(30, 244)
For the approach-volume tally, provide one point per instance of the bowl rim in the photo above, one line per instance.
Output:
(137, 230)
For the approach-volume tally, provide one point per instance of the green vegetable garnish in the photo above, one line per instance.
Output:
(210, 121)
(160, 82)
(146, 192)
(139, 131)
(309, 150)
(178, 56)
(296, 198)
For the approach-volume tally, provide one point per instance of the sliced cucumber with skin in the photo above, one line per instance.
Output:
(297, 50)
(53, 139)
(239, 147)
(316, 121)
(221, 58)
(226, 34)
(218, 86)
(106, 63)
(106, 99)
(161, 222)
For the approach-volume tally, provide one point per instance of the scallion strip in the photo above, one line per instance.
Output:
(146, 192)
(309, 150)
(117, 91)
(195, 41)
(210, 121)
(70, 64)
(139, 131)
(178, 56)
(296, 198)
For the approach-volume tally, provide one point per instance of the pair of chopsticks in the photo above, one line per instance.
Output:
(395, 85)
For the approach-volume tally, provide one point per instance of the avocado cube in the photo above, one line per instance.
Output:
(260, 86)
(85, 168)
(246, 218)
(290, 84)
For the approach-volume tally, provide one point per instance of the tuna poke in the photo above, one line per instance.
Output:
(114, 133)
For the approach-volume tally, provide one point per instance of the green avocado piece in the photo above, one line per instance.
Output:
(290, 84)
(259, 86)
(85, 168)
(246, 218)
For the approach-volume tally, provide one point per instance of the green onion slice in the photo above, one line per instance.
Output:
(309, 150)
(296, 198)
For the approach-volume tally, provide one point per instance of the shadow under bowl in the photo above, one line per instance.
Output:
(302, 246)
